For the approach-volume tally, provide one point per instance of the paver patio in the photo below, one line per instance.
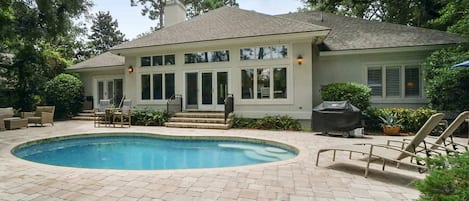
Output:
(295, 179)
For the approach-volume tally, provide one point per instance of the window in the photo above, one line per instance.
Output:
(155, 85)
(145, 61)
(158, 60)
(204, 57)
(265, 79)
(394, 81)
(264, 53)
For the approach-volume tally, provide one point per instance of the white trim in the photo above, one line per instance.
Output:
(383, 50)
(97, 68)
(105, 78)
(152, 101)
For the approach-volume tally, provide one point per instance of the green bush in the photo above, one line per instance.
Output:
(448, 179)
(357, 94)
(410, 120)
(448, 88)
(65, 92)
(148, 117)
(268, 123)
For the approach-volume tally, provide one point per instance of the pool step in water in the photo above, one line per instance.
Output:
(200, 119)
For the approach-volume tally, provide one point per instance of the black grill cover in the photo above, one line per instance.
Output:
(335, 116)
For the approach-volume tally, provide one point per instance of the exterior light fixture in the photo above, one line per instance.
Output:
(130, 69)
(299, 59)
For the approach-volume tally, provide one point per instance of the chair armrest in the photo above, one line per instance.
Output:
(25, 115)
(47, 116)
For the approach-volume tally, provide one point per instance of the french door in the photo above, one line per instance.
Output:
(206, 90)
(111, 89)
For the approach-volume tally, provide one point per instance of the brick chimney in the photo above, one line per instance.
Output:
(174, 12)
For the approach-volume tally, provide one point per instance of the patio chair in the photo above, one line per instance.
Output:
(42, 115)
(389, 153)
(445, 141)
(100, 112)
(124, 114)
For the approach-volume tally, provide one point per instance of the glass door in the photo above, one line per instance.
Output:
(111, 89)
(191, 90)
(214, 87)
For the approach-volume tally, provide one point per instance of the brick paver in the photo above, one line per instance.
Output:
(295, 179)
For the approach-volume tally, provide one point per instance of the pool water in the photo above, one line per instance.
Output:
(150, 152)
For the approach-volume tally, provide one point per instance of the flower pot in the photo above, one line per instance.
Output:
(391, 130)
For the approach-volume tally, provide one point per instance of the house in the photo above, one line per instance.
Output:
(273, 65)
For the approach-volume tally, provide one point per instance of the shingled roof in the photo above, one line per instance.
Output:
(349, 33)
(222, 23)
(106, 59)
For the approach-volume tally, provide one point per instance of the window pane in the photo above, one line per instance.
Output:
(247, 83)
(393, 81)
(169, 59)
(222, 87)
(145, 87)
(263, 83)
(207, 88)
(279, 52)
(145, 61)
(375, 81)
(157, 86)
(157, 60)
(169, 85)
(100, 90)
(218, 56)
(412, 81)
(247, 54)
(189, 58)
(263, 52)
(280, 83)
(201, 57)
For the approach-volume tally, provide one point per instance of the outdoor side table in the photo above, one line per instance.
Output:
(14, 123)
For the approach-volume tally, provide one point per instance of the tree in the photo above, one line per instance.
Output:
(407, 12)
(155, 8)
(104, 33)
(38, 37)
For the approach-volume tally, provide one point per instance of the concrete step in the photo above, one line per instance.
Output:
(85, 114)
(219, 115)
(197, 125)
(199, 120)
(87, 111)
(83, 118)
(203, 111)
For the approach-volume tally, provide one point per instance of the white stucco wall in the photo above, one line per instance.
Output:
(353, 68)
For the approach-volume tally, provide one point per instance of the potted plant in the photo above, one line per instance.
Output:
(391, 124)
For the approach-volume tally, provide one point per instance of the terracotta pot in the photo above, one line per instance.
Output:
(391, 130)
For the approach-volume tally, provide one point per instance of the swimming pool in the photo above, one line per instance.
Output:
(140, 151)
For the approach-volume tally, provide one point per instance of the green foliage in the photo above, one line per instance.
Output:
(197, 7)
(406, 12)
(268, 123)
(390, 120)
(448, 179)
(356, 94)
(149, 117)
(448, 88)
(410, 120)
(105, 33)
(65, 92)
(454, 17)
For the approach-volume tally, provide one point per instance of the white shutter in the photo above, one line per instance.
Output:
(393, 81)
(375, 80)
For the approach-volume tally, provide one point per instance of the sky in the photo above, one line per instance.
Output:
(132, 23)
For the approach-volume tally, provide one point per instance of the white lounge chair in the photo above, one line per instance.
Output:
(390, 153)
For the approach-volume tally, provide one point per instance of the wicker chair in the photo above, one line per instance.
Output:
(42, 115)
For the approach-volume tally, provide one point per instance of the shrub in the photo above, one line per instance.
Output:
(65, 92)
(448, 88)
(148, 117)
(448, 180)
(357, 94)
(268, 123)
(409, 119)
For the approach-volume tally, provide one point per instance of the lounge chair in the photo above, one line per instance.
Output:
(390, 153)
(42, 115)
(124, 114)
(100, 113)
(445, 141)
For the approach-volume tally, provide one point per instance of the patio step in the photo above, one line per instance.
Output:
(200, 119)
(85, 115)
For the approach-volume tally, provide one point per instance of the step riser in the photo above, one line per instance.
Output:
(214, 126)
(199, 120)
